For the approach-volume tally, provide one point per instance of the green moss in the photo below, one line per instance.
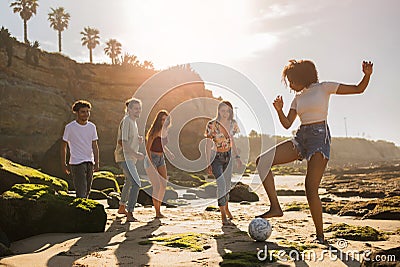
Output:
(296, 206)
(297, 246)
(353, 232)
(185, 179)
(31, 175)
(205, 185)
(212, 208)
(29, 191)
(112, 169)
(192, 241)
(84, 204)
(103, 174)
(245, 258)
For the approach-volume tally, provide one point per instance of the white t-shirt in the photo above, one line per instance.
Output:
(128, 132)
(311, 104)
(79, 138)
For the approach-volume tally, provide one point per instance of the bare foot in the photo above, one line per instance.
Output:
(320, 240)
(122, 210)
(130, 218)
(158, 216)
(270, 214)
(229, 215)
(227, 222)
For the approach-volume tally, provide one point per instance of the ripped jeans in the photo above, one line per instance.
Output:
(313, 138)
(222, 170)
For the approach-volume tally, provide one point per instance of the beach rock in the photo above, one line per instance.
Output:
(12, 173)
(113, 200)
(333, 207)
(4, 239)
(242, 192)
(189, 196)
(104, 180)
(5, 251)
(97, 195)
(207, 190)
(32, 209)
(145, 193)
(185, 179)
(289, 192)
(354, 232)
(385, 209)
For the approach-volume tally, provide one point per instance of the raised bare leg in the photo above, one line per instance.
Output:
(282, 153)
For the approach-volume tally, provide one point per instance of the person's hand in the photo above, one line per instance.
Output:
(239, 163)
(171, 156)
(96, 167)
(141, 139)
(65, 169)
(140, 156)
(209, 170)
(367, 67)
(278, 103)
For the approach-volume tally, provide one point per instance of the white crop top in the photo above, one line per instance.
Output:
(311, 104)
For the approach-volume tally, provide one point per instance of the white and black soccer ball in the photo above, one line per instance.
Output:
(260, 229)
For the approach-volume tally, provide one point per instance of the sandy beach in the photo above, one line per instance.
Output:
(124, 244)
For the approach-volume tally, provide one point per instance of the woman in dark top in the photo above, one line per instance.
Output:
(156, 140)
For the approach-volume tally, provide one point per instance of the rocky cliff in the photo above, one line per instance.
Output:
(35, 102)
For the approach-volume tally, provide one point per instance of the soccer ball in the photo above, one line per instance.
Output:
(260, 229)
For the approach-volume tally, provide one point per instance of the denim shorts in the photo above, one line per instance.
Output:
(157, 160)
(310, 139)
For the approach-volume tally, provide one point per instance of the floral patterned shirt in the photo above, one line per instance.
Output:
(215, 131)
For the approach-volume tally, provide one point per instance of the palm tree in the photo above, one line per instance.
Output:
(59, 20)
(113, 49)
(148, 65)
(26, 9)
(90, 39)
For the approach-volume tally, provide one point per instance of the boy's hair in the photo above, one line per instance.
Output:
(81, 104)
(132, 101)
(301, 72)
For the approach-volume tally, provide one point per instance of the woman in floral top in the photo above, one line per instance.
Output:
(219, 154)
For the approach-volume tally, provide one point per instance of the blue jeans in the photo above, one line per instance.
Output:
(157, 160)
(130, 191)
(82, 176)
(310, 139)
(222, 170)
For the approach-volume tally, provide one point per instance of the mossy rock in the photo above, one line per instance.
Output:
(185, 179)
(104, 180)
(12, 173)
(145, 193)
(107, 191)
(210, 189)
(391, 257)
(353, 232)
(245, 259)
(296, 206)
(333, 207)
(357, 208)
(112, 169)
(242, 192)
(192, 241)
(32, 209)
(212, 208)
(385, 209)
(97, 195)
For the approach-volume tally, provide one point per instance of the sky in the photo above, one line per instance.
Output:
(255, 38)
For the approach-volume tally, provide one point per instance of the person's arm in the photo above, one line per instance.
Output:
(95, 148)
(148, 145)
(64, 165)
(128, 150)
(288, 120)
(209, 145)
(236, 154)
(344, 89)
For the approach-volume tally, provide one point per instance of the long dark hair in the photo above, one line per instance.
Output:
(157, 124)
(225, 103)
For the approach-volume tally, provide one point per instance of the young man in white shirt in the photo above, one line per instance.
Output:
(81, 137)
